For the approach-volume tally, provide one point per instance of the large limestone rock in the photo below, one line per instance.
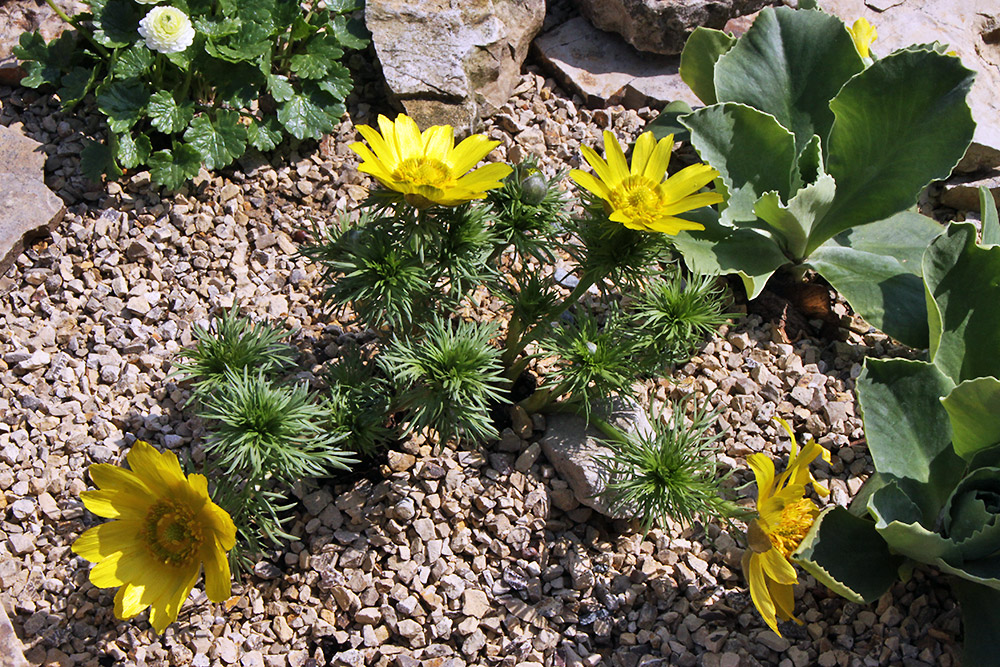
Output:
(11, 651)
(604, 70)
(452, 61)
(662, 26)
(971, 28)
(27, 207)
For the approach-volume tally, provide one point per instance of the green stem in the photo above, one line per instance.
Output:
(511, 351)
(68, 19)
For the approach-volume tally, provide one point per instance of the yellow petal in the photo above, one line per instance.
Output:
(784, 600)
(687, 181)
(615, 156)
(763, 470)
(160, 471)
(656, 167)
(759, 592)
(599, 166)
(409, 142)
(128, 602)
(114, 478)
(164, 608)
(101, 541)
(221, 523)
(218, 580)
(470, 152)
(777, 567)
(384, 152)
(641, 152)
(105, 573)
(438, 141)
(486, 177)
(690, 203)
(672, 225)
(590, 182)
(115, 504)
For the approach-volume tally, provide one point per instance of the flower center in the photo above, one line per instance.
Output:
(423, 171)
(637, 197)
(796, 520)
(171, 533)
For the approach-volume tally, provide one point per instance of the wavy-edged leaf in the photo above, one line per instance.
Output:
(848, 556)
(306, 116)
(753, 153)
(264, 136)
(116, 22)
(132, 62)
(900, 124)
(172, 167)
(133, 150)
(702, 51)
(44, 63)
(668, 121)
(905, 424)
(877, 269)
(973, 408)
(166, 115)
(97, 160)
(980, 620)
(75, 85)
(219, 140)
(349, 33)
(963, 285)
(790, 64)
(794, 222)
(123, 102)
(991, 220)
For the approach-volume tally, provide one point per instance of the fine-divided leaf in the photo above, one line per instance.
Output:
(123, 102)
(790, 64)
(133, 150)
(166, 115)
(219, 141)
(900, 124)
(846, 553)
(701, 52)
(172, 167)
(96, 160)
(132, 62)
(753, 153)
(974, 410)
(962, 296)
(877, 269)
(719, 249)
(905, 424)
(306, 116)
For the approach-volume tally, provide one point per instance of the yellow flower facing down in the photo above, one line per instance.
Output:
(863, 33)
(165, 528)
(636, 195)
(784, 518)
(428, 168)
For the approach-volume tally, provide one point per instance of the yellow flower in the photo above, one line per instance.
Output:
(784, 518)
(427, 167)
(863, 33)
(639, 198)
(165, 528)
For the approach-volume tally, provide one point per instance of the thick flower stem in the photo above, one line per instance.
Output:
(513, 349)
(68, 19)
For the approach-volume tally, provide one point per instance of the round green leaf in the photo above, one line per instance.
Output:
(701, 52)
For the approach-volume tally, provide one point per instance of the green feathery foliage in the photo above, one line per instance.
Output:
(529, 210)
(447, 378)
(669, 473)
(233, 343)
(262, 430)
(358, 401)
(673, 315)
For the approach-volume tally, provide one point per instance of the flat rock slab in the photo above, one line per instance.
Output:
(605, 70)
(11, 651)
(575, 451)
(971, 28)
(27, 207)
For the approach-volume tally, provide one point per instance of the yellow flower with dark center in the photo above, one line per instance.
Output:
(165, 528)
(637, 196)
(427, 168)
(863, 33)
(784, 518)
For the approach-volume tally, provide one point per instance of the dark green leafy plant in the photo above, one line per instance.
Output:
(666, 473)
(358, 401)
(933, 428)
(233, 343)
(240, 75)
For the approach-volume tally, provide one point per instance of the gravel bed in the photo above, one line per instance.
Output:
(447, 558)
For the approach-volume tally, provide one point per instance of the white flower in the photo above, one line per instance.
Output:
(148, 2)
(167, 30)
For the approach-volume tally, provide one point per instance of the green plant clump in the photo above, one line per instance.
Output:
(197, 82)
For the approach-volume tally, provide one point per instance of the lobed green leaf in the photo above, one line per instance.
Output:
(220, 140)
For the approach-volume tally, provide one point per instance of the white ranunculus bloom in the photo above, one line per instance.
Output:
(167, 30)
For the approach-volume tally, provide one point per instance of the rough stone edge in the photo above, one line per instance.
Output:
(11, 651)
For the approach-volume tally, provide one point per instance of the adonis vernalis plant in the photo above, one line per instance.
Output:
(199, 83)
